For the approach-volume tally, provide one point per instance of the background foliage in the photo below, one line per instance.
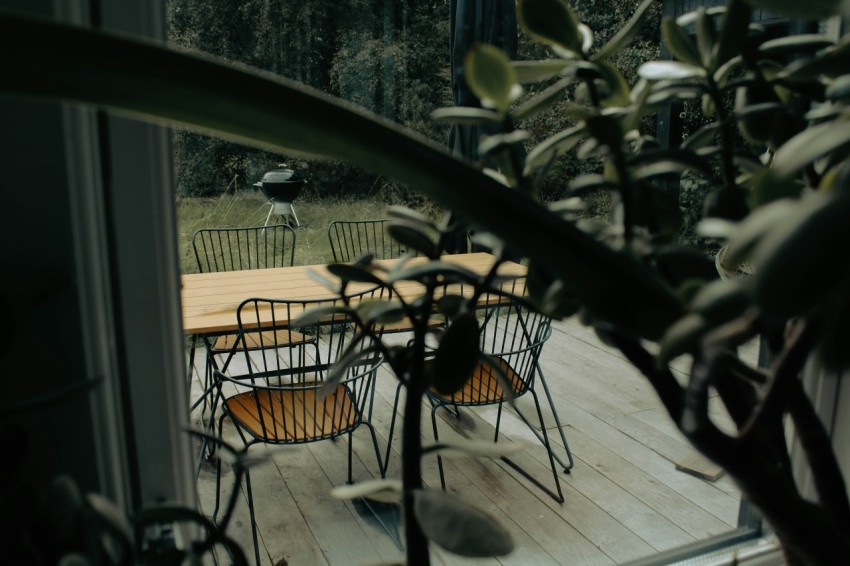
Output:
(389, 56)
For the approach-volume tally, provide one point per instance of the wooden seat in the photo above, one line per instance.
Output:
(484, 386)
(298, 414)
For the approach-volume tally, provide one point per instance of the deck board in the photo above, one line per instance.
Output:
(624, 499)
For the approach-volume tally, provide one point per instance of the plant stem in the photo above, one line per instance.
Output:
(411, 448)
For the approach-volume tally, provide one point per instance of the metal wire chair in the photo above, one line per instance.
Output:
(314, 390)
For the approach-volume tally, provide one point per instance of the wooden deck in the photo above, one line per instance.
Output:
(625, 498)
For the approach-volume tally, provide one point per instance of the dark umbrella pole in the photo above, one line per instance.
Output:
(474, 21)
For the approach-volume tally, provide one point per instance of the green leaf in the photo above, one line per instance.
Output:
(584, 184)
(459, 527)
(543, 100)
(498, 142)
(690, 18)
(556, 144)
(410, 216)
(316, 315)
(706, 35)
(441, 271)
(466, 115)
(657, 209)
(605, 130)
(679, 264)
(702, 137)
(74, 559)
(568, 205)
(722, 300)
(474, 449)
(800, 252)
(113, 519)
(452, 305)
(681, 338)
(682, 158)
(414, 238)
(839, 89)
(585, 71)
(767, 187)
(490, 76)
(552, 22)
(793, 45)
(618, 87)
(352, 272)
(552, 296)
(679, 42)
(456, 356)
(725, 70)
(323, 281)
(733, 33)
(672, 93)
(832, 62)
(668, 168)
(538, 71)
(626, 33)
(750, 231)
(759, 110)
(384, 490)
(669, 70)
(380, 311)
(809, 145)
(810, 10)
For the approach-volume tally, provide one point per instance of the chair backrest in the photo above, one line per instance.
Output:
(511, 338)
(256, 247)
(351, 239)
(301, 391)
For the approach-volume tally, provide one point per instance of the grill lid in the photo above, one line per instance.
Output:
(282, 175)
(281, 184)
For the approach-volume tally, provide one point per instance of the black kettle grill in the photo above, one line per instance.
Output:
(281, 186)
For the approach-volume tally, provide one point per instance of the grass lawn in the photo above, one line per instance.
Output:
(250, 209)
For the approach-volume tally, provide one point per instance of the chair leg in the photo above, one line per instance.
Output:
(192, 361)
(207, 450)
(381, 468)
(248, 491)
(437, 439)
(386, 464)
(498, 422)
(350, 451)
(251, 514)
(548, 446)
(217, 468)
(567, 467)
(559, 496)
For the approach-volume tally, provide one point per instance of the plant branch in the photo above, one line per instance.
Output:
(829, 481)
(661, 379)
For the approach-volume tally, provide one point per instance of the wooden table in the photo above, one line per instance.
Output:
(210, 300)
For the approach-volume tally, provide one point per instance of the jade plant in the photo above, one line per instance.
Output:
(773, 150)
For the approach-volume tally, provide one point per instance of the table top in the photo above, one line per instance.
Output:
(210, 300)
